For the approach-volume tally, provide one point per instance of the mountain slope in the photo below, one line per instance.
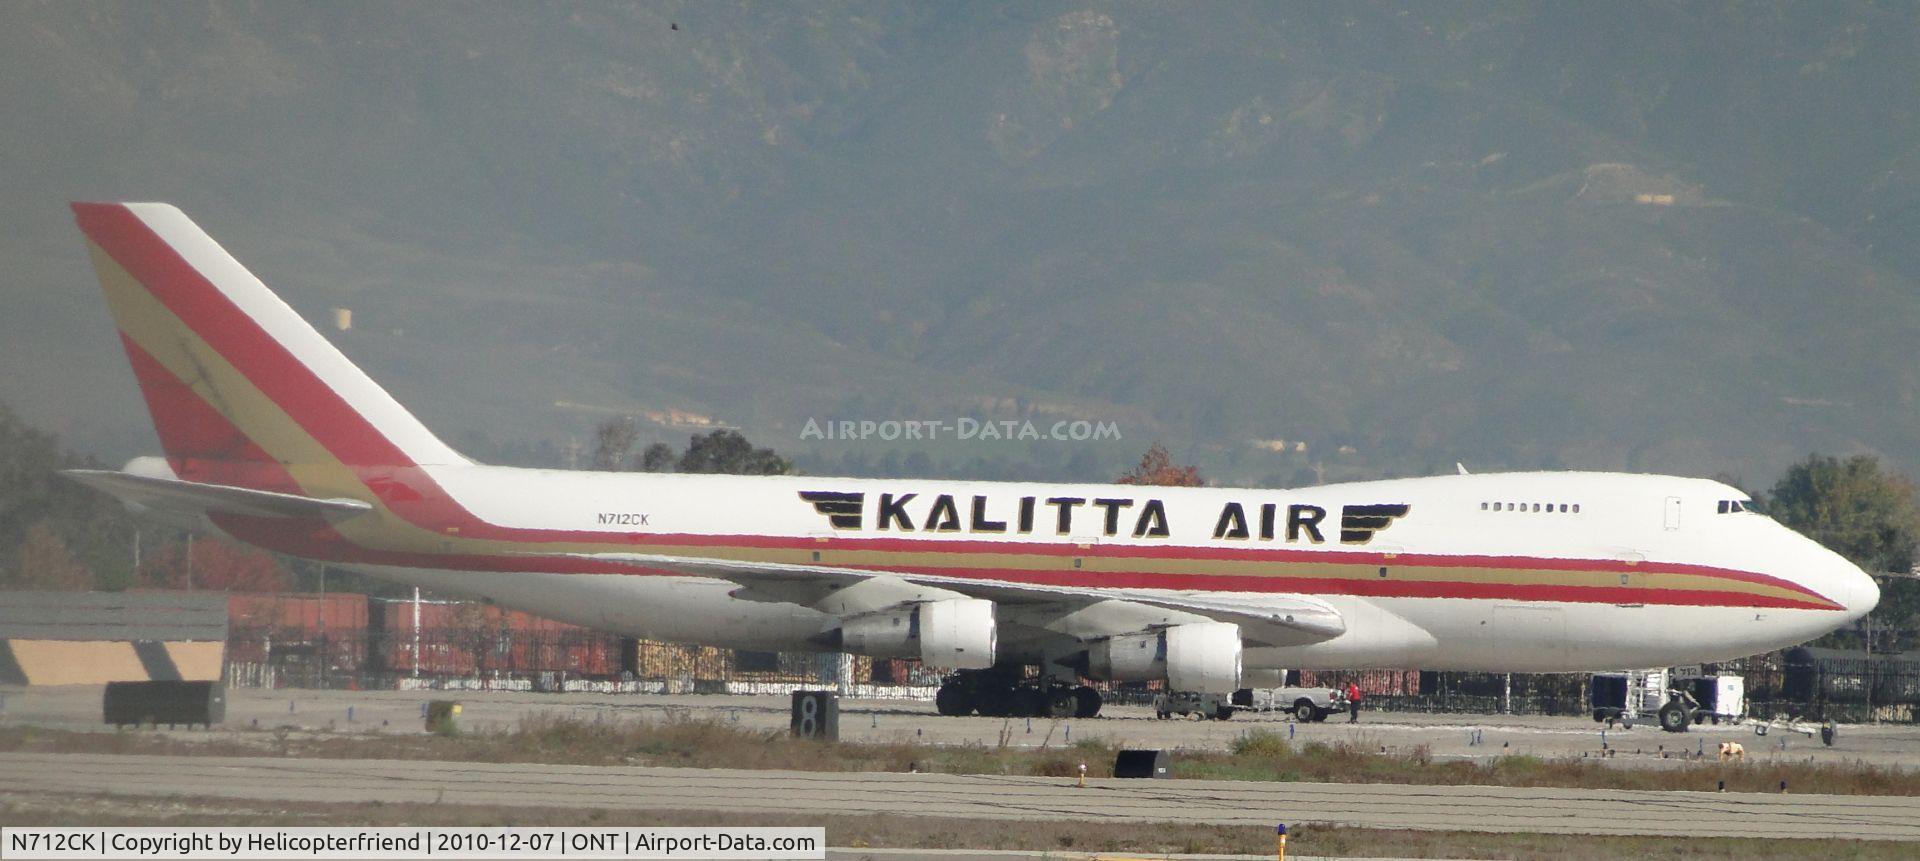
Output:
(1641, 237)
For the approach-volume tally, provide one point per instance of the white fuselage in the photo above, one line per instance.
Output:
(1455, 582)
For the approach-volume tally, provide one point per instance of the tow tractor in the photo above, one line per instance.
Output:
(1687, 697)
(1677, 699)
(1207, 706)
(1304, 704)
(1628, 697)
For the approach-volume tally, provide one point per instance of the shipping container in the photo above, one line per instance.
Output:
(297, 615)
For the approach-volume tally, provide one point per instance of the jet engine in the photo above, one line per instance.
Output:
(1202, 656)
(957, 633)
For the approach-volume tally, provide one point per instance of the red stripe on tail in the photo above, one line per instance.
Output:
(200, 444)
(265, 362)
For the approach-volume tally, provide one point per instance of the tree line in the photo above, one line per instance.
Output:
(722, 451)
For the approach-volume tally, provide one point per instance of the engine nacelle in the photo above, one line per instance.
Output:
(1202, 657)
(958, 633)
(1128, 658)
(886, 634)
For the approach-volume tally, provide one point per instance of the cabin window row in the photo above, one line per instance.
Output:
(1537, 507)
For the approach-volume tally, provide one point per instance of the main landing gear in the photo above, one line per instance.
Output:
(1006, 693)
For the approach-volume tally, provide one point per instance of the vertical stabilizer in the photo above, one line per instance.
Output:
(241, 389)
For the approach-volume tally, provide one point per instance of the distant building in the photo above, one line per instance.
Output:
(680, 418)
(1280, 445)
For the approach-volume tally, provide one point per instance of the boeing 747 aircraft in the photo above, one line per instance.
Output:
(272, 436)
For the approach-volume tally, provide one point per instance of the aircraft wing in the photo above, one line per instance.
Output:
(1265, 619)
(173, 496)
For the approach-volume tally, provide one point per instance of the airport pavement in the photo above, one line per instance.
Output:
(1253, 804)
(1445, 736)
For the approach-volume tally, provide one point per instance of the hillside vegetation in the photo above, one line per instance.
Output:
(1668, 237)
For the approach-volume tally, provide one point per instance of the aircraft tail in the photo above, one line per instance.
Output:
(243, 392)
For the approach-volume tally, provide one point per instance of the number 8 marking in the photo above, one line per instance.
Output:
(809, 716)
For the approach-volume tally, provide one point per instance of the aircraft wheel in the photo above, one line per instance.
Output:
(1674, 717)
(1030, 702)
(1062, 703)
(1222, 712)
(1012, 703)
(993, 702)
(952, 701)
(1086, 702)
(1304, 712)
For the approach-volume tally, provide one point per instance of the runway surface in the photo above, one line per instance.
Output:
(1450, 808)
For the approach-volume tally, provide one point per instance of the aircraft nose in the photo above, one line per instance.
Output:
(1857, 592)
(1848, 585)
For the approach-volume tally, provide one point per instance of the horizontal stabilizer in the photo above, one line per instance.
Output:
(173, 496)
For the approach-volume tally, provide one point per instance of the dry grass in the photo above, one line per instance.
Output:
(1257, 755)
(675, 740)
(938, 833)
(1267, 755)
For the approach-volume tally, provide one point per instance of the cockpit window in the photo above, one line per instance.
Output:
(1736, 506)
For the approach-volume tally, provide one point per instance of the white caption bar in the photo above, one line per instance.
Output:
(377, 843)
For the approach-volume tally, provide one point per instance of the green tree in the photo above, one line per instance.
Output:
(726, 451)
(1852, 506)
(93, 527)
(613, 443)
(658, 457)
(1867, 514)
(721, 451)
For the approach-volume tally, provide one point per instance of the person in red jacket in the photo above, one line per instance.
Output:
(1353, 702)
